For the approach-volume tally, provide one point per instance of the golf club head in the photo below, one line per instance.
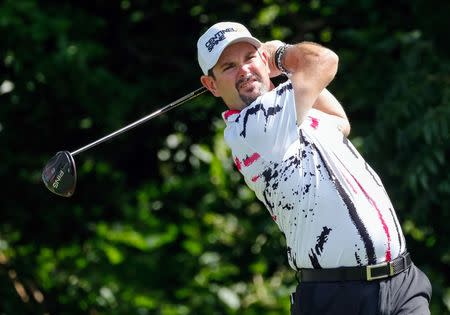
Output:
(59, 174)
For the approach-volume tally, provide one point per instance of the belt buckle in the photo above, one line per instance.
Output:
(369, 268)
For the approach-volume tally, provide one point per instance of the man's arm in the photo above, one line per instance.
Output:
(312, 68)
(328, 104)
(325, 101)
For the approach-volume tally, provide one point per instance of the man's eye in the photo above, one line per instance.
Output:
(227, 67)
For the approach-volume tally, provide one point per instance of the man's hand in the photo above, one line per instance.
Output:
(270, 48)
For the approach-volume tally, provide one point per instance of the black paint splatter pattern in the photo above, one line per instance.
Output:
(288, 187)
(318, 248)
(271, 111)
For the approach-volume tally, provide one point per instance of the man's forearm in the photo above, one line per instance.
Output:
(328, 104)
(325, 101)
(312, 68)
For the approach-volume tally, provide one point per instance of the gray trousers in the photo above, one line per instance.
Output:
(406, 293)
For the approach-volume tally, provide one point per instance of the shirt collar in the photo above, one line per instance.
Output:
(230, 114)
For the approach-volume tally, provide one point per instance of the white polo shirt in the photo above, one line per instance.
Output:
(329, 203)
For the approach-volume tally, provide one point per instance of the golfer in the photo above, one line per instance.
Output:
(290, 143)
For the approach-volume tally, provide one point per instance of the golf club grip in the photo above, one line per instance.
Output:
(158, 112)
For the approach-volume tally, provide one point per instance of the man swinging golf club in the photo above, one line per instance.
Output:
(290, 143)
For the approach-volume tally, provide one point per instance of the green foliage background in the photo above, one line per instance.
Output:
(161, 222)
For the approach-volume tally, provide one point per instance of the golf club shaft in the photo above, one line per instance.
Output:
(143, 119)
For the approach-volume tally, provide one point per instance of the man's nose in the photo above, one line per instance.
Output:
(244, 70)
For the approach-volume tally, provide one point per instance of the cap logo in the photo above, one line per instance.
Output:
(218, 37)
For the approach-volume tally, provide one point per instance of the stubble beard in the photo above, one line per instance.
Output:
(248, 99)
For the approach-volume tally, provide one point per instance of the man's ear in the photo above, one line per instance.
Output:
(209, 83)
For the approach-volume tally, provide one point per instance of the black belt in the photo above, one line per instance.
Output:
(367, 273)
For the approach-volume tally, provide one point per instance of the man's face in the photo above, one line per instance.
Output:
(241, 75)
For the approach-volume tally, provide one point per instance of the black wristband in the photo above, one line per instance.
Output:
(279, 53)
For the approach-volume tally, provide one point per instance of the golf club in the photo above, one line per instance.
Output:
(60, 174)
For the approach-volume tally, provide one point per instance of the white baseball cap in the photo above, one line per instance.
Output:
(212, 43)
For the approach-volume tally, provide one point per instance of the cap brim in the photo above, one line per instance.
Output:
(251, 40)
